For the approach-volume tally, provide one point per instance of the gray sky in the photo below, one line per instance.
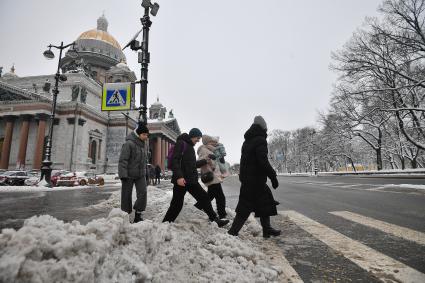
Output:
(216, 63)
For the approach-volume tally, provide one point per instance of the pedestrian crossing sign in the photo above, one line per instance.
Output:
(117, 96)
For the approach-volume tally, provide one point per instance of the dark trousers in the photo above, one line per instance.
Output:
(240, 220)
(215, 191)
(178, 198)
(127, 192)
(157, 180)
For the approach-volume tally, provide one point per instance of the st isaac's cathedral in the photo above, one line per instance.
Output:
(84, 137)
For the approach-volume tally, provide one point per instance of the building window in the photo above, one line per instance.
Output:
(93, 151)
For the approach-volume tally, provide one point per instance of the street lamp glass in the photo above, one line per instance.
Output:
(49, 54)
(72, 53)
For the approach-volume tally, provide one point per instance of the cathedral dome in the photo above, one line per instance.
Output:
(99, 42)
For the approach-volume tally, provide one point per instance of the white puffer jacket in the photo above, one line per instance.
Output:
(203, 152)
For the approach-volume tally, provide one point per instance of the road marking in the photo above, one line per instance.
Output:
(398, 231)
(382, 266)
(290, 272)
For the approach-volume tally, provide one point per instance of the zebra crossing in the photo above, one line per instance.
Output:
(383, 267)
(362, 187)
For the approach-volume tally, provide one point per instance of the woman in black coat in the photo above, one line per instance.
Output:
(255, 196)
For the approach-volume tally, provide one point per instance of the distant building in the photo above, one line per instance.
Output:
(84, 137)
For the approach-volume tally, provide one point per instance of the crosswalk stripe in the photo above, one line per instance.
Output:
(395, 230)
(382, 266)
(290, 272)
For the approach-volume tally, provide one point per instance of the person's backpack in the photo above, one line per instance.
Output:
(171, 155)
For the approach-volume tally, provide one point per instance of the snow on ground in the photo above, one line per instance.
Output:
(41, 188)
(405, 186)
(111, 249)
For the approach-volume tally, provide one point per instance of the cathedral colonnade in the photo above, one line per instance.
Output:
(23, 123)
(160, 146)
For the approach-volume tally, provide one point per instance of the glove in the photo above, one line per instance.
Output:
(222, 160)
(212, 156)
(275, 182)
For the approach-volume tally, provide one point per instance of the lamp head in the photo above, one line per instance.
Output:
(49, 54)
(154, 7)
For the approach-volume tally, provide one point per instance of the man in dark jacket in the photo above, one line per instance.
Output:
(185, 178)
(132, 171)
(255, 195)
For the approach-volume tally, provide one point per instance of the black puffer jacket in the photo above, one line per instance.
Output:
(255, 195)
(184, 162)
(132, 162)
(254, 160)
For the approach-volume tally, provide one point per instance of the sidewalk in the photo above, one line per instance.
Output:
(113, 250)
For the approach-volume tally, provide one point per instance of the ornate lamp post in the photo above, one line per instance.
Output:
(144, 56)
(46, 169)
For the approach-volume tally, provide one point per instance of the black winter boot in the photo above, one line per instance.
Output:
(137, 217)
(267, 228)
(237, 224)
(221, 222)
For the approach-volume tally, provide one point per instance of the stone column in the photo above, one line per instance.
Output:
(163, 153)
(23, 141)
(158, 151)
(39, 143)
(7, 143)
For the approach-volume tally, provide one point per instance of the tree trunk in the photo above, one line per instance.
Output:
(379, 151)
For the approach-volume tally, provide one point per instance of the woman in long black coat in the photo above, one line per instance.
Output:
(255, 196)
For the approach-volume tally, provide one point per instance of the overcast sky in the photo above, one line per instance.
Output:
(216, 63)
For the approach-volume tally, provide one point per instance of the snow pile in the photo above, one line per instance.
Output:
(113, 250)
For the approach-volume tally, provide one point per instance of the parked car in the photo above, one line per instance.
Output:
(13, 178)
(33, 179)
(66, 179)
(80, 178)
(89, 178)
(55, 176)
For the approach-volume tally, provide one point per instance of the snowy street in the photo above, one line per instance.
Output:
(110, 249)
(334, 229)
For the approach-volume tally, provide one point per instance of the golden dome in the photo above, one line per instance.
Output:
(100, 35)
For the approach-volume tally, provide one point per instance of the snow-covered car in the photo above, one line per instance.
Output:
(13, 178)
(55, 176)
(32, 180)
(66, 179)
(89, 178)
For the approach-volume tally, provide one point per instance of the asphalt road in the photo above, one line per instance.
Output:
(66, 205)
(374, 198)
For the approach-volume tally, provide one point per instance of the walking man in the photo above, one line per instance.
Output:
(185, 178)
(132, 171)
(255, 195)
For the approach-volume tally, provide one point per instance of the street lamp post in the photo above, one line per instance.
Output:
(46, 169)
(144, 55)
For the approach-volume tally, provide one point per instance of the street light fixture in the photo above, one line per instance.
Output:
(144, 56)
(46, 169)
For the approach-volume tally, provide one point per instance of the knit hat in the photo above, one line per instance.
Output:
(142, 129)
(195, 132)
(261, 122)
(207, 139)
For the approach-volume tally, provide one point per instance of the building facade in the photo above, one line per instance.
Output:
(84, 137)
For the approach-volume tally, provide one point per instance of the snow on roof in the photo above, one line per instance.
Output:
(111, 249)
